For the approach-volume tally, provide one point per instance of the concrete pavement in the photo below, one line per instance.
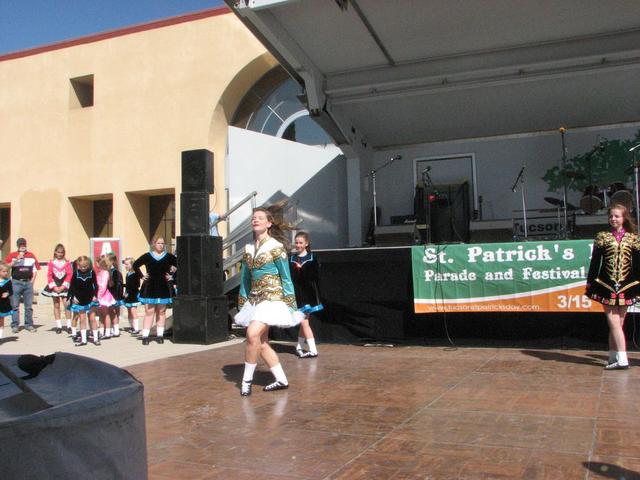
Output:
(123, 351)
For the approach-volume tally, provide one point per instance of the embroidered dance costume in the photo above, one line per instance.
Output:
(156, 289)
(6, 309)
(117, 287)
(83, 288)
(59, 273)
(131, 287)
(614, 272)
(304, 273)
(266, 291)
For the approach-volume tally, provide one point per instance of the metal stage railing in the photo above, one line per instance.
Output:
(231, 262)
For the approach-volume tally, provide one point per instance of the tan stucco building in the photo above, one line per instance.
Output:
(93, 128)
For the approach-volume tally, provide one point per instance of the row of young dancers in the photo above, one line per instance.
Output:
(89, 293)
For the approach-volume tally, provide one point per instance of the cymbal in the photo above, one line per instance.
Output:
(576, 175)
(558, 203)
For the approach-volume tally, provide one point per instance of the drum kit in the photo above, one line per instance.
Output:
(596, 198)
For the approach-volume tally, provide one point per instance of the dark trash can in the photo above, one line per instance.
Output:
(68, 416)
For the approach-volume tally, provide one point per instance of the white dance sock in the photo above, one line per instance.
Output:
(116, 329)
(622, 358)
(68, 323)
(83, 335)
(134, 322)
(249, 370)
(58, 324)
(312, 345)
(145, 332)
(159, 331)
(278, 372)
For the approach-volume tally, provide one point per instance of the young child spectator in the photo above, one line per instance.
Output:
(131, 288)
(6, 295)
(116, 288)
(81, 296)
(59, 273)
(104, 296)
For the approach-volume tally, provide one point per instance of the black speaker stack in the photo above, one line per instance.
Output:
(200, 311)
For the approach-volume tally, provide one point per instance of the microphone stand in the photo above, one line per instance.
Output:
(520, 178)
(426, 179)
(373, 176)
(564, 182)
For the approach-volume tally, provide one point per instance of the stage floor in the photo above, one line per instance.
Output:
(394, 413)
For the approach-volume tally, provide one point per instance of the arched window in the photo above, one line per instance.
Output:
(272, 107)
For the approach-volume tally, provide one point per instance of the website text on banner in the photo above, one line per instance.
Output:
(503, 277)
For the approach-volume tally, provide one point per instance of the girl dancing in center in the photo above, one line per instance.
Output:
(614, 279)
(266, 297)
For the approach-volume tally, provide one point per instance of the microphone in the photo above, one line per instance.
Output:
(634, 147)
(397, 157)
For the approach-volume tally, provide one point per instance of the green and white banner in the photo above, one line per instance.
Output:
(546, 276)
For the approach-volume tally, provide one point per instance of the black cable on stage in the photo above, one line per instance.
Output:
(453, 347)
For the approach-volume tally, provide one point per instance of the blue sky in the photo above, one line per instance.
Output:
(32, 23)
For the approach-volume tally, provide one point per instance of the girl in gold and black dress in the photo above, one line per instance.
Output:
(614, 279)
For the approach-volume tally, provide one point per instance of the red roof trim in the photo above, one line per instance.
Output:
(118, 33)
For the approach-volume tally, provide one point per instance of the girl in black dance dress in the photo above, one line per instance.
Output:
(6, 294)
(156, 291)
(304, 273)
(614, 279)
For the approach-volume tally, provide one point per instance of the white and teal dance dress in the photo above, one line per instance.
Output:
(156, 290)
(266, 291)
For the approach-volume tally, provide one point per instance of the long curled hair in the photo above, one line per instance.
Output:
(628, 222)
(278, 227)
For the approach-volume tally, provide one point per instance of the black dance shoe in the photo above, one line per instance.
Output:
(58, 331)
(145, 340)
(245, 389)
(80, 344)
(616, 366)
(307, 355)
(272, 387)
(160, 340)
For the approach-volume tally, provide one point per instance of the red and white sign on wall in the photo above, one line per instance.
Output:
(102, 246)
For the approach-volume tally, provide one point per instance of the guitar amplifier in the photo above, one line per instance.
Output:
(396, 235)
